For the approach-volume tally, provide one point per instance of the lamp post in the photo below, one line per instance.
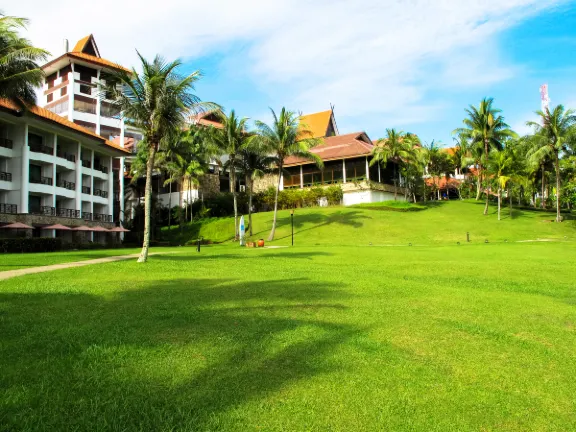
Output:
(292, 222)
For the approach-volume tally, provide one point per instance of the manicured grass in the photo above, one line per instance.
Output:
(25, 260)
(476, 337)
(445, 222)
(392, 206)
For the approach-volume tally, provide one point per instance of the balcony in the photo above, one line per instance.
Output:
(37, 148)
(87, 216)
(48, 181)
(5, 176)
(68, 213)
(86, 190)
(100, 193)
(66, 185)
(8, 208)
(44, 210)
(6, 143)
(102, 217)
(86, 163)
(101, 168)
(69, 157)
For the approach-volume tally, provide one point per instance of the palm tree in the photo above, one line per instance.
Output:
(158, 102)
(394, 147)
(254, 163)
(487, 128)
(439, 164)
(551, 138)
(230, 139)
(285, 137)
(500, 166)
(19, 70)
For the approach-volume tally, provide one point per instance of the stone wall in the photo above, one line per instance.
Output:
(263, 183)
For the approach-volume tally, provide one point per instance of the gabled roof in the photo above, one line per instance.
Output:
(317, 123)
(206, 119)
(87, 45)
(338, 147)
(44, 114)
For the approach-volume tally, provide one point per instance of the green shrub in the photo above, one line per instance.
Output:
(31, 244)
(297, 198)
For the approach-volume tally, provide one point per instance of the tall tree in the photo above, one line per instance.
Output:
(253, 163)
(19, 70)
(230, 139)
(440, 165)
(395, 148)
(285, 137)
(500, 167)
(158, 101)
(551, 138)
(487, 128)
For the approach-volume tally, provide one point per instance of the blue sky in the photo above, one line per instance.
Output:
(411, 65)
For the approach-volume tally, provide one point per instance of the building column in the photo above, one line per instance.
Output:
(54, 171)
(301, 177)
(367, 169)
(344, 170)
(98, 104)
(78, 203)
(111, 189)
(25, 173)
(71, 95)
(121, 216)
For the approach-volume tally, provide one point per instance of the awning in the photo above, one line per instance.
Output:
(56, 227)
(82, 228)
(16, 225)
(119, 229)
(99, 229)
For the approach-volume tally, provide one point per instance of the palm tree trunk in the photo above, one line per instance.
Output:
(233, 189)
(543, 189)
(147, 203)
(190, 199)
(499, 201)
(478, 184)
(250, 193)
(181, 209)
(273, 231)
(510, 201)
(170, 207)
(557, 166)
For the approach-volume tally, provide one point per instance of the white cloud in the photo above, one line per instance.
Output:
(368, 57)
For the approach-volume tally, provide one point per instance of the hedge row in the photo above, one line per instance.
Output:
(44, 244)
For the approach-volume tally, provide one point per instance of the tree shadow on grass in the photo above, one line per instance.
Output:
(177, 354)
(346, 218)
(282, 253)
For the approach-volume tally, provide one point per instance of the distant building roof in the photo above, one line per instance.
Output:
(206, 119)
(338, 147)
(44, 114)
(320, 124)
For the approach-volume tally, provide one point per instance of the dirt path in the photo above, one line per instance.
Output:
(21, 272)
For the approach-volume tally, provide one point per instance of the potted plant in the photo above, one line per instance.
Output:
(261, 243)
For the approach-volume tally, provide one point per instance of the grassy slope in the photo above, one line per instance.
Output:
(19, 261)
(446, 222)
(472, 337)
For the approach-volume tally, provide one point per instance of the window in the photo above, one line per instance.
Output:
(50, 80)
(84, 106)
(34, 139)
(355, 169)
(64, 91)
(50, 97)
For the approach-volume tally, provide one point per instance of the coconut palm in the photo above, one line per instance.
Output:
(501, 168)
(19, 70)
(486, 128)
(158, 101)
(395, 148)
(230, 139)
(551, 138)
(253, 163)
(285, 137)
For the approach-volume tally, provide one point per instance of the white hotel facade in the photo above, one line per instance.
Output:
(65, 160)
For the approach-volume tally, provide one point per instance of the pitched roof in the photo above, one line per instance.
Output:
(44, 114)
(82, 45)
(338, 147)
(317, 123)
(206, 119)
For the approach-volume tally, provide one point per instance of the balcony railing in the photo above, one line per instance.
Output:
(69, 157)
(44, 210)
(42, 149)
(8, 208)
(48, 181)
(5, 176)
(66, 184)
(86, 163)
(86, 190)
(101, 168)
(68, 213)
(6, 143)
(101, 193)
(102, 217)
(87, 216)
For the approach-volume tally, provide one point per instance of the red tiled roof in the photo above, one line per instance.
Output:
(441, 182)
(128, 142)
(55, 118)
(201, 119)
(338, 147)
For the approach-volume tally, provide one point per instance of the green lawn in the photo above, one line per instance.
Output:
(26, 260)
(477, 337)
(441, 223)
